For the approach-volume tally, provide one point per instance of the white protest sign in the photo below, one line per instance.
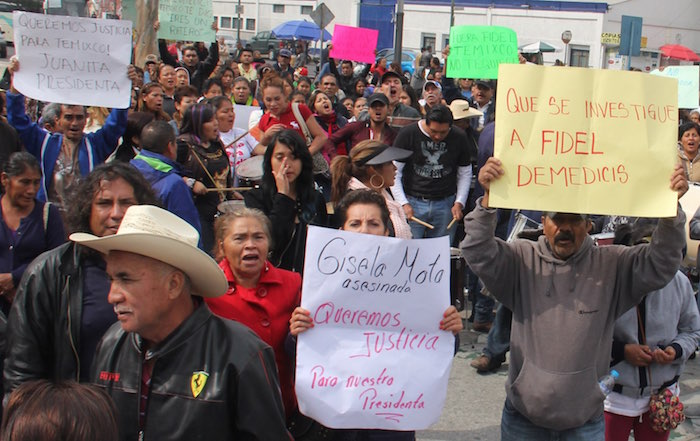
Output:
(688, 83)
(73, 60)
(375, 358)
(243, 115)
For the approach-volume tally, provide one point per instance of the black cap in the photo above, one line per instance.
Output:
(389, 73)
(553, 214)
(384, 154)
(485, 83)
(377, 97)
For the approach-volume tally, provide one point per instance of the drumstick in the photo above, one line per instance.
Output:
(230, 189)
(418, 221)
(454, 219)
(236, 140)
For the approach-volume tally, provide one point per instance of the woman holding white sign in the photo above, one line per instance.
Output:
(365, 211)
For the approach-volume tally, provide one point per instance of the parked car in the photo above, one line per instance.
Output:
(229, 41)
(266, 43)
(408, 58)
(3, 45)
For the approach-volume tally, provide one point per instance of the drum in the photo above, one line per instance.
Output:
(603, 239)
(457, 270)
(230, 206)
(250, 171)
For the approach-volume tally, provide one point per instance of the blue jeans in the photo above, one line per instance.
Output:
(483, 304)
(437, 212)
(515, 427)
(498, 340)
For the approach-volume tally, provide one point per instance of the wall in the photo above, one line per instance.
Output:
(262, 11)
(530, 26)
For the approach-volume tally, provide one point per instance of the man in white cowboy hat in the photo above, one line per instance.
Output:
(174, 370)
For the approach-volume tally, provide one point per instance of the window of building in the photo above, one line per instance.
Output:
(427, 40)
(306, 10)
(278, 9)
(225, 23)
(578, 56)
(250, 24)
(234, 23)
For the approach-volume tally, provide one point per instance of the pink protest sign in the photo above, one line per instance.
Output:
(356, 44)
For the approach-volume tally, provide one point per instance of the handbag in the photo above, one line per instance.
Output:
(320, 165)
(665, 408)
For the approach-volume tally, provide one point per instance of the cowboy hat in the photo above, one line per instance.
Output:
(156, 233)
(461, 109)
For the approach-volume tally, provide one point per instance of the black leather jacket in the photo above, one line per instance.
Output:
(43, 328)
(240, 398)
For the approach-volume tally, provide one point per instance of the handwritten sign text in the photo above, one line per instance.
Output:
(188, 20)
(376, 304)
(577, 140)
(73, 60)
(477, 51)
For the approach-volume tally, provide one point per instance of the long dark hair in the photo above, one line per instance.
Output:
(307, 195)
(193, 120)
(77, 217)
(19, 162)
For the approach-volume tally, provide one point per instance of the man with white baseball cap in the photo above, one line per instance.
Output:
(432, 95)
(174, 370)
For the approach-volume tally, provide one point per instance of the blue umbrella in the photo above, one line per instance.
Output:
(300, 30)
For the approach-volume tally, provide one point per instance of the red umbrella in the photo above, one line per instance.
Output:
(680, 52)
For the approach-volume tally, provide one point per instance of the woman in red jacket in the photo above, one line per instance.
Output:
(260, 296)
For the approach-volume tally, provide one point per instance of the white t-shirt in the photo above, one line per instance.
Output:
(242, 150)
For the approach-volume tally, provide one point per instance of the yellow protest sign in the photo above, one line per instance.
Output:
(585, 141)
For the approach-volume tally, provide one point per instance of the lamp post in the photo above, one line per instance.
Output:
(566, 38)
(238, 21)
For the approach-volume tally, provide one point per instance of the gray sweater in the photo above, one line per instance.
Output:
(564, 310)
(671, 319)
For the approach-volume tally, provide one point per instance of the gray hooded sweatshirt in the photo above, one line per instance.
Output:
(564, 311)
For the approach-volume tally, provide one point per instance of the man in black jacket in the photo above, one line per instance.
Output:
(174, 370)
(199, 70)
(61, 309)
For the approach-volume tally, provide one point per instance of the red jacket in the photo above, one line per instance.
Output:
(266, 310)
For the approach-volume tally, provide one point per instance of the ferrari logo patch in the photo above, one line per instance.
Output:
(199, 379)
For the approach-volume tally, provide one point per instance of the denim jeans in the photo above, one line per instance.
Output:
(437, 213)
(482, 311)
(515, 427)
(498, 340)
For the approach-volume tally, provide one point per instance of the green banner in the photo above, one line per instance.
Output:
(476, 51)
(129, 11)
(186, 20)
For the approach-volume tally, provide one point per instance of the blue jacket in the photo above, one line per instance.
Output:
(93, 150)
(32, 239)
(164, 175)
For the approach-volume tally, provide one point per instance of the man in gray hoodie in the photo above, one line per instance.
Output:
(565, 294)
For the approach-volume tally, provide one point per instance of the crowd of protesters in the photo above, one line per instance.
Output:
(366, 149)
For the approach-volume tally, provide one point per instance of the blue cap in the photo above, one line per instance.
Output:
(615, 374)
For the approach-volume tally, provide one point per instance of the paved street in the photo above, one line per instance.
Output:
(474, 402)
